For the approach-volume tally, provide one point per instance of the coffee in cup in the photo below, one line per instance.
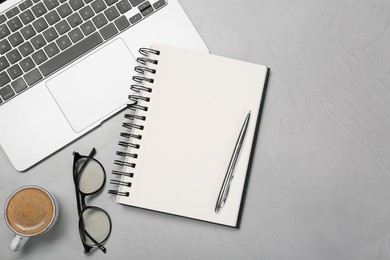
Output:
(29, 211)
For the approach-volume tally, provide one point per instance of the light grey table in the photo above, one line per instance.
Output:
(320, 181)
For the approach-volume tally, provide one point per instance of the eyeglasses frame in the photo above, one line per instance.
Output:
(80, 198)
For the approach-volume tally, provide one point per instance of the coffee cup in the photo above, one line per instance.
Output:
(29, 211)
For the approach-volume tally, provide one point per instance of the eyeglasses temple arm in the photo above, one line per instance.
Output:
(91, 154)
(95, 242)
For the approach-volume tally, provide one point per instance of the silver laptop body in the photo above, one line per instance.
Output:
(58, 101)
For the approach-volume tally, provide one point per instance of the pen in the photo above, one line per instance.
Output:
(229, 173)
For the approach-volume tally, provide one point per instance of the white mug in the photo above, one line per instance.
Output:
(29, 211)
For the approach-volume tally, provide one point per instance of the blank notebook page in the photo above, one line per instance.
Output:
(196, 111)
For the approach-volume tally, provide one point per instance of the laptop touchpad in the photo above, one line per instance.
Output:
(95, 87)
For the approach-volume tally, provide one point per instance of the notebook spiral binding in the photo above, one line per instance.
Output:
(132, 124)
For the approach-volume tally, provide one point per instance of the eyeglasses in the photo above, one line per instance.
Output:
(94, 223)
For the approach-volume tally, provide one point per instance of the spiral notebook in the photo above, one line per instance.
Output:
(186, 113)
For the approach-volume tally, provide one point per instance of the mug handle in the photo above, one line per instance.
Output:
(18, 242)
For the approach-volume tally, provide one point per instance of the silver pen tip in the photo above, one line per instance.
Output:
(218, 207)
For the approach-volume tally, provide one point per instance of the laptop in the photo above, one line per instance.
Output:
(66, 66)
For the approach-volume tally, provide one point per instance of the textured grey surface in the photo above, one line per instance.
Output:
(320, 181)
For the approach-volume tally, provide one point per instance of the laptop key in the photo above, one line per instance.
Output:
(50, 4)
(51, 49)
(108, 31)
(7, 92)
(87, 28)
(145, 8)
(13, 56)
(75, 35)
(110, 2)
(27, 32)
(74, 20)
(32, 77)
(99, 20)
(135, 18)
(159, 4)
(4, 46)
(38, 41)
(26, 4)
(40, 24)
(11, 13)
(111, 13)
(15, 39)
(98, 6)
(122, 23)
(18, 85)
(62, 27)
(2, 18)
(52, 17)
(39, 57)
(4, 31)
(86, 12)
(136, 2)
(4, 78)
(26, 49)
(64, 10)
(39, 9)
(64, 42)
(14, 24)
(3, 63)
(123, 6)
(50, 34)
(70, 54)
(76, 4)
(27, 64)
(27, 17)
(14, 71)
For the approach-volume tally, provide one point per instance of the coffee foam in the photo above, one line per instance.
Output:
(30, 211)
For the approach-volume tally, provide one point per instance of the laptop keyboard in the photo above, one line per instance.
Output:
(37, 37)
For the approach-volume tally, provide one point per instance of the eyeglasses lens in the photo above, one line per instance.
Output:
(97, 226)
(91, 175)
